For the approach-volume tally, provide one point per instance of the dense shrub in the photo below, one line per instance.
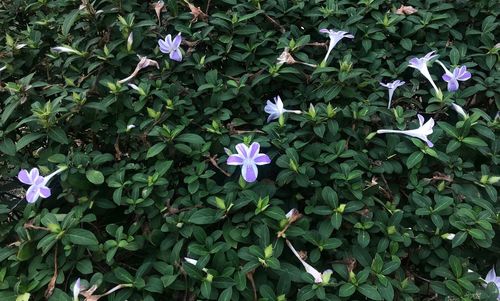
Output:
(142, 176)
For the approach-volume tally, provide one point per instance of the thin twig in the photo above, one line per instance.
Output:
(275, 23)
(52, 282)
(216, 165)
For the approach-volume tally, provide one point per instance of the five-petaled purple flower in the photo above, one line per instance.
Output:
(335, 37)
(492, 277)
(249, 158)
(452, 78)
(172, 47)
(420, 63)
(424, 130)
(38, 184)
(392, 87)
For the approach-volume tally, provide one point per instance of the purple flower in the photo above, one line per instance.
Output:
(492, 277)
(335, 37)
(172, 47)
(38, 184)
(420, 63)
(422, 132)
(392, 87)
(249, 158)
(452, 78)
(276, 109)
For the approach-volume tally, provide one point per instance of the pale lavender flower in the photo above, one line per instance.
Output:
(38, 184)
(249, 158)
(392, 87)
(459, 110)
(276, 109)
(143, 63)
(172, 47)
(76, 289)
(424, 130)
(452, 78)
(421, 65)
(492, 277)
(335, 37)
(318, 277)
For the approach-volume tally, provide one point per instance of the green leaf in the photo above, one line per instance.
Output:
(69, 20)
(346, 290)
(155, 149)
(459, 239)
(8, 147)
(414, 159)
(204, 216)
(226, 294)
(454, 287)
(94, 176)
(475, 141)
(190, 138)
(27, 139)
(58, 135)
(81, 237)
(369, 291)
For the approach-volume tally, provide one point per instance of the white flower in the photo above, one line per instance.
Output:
(276, 109)
(335, 37)
(3, 68)
(190, 260)
(421, 65)
(143, 63)
(76, 289)
(392, 87)
(318, 277)
(20, 46)
(66, 49)
(459, 110)
(130, 126)
(448, 236)
(422, 132)
(130, 41)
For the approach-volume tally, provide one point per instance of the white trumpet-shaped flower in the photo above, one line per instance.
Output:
(318, 277)
(66, 49)
(335, 37)
(392, 87)
(420, 63)
(76, 289)
(276, 109)
(424, 130)
(459, 110)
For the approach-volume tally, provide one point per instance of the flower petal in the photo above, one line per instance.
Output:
(453, 85)
(32, 194)
(447, 77)
(249, 172)
(254, 149)
(34, 173)
(420, 119)
(176, 55)
(491, 276)
(164, 47)
(262, 159)
(24, 177)
(177, 41)
(273, 117)
(44, 191)
(234, 160)
(241, 148)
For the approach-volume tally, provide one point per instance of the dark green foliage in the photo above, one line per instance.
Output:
(376, 209)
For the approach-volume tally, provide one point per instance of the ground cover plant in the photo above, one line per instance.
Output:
(249, 150)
